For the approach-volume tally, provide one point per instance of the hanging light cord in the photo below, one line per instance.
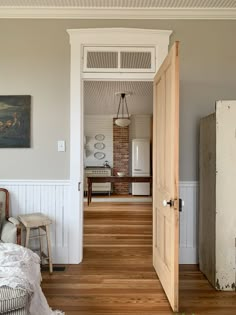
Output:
(124, 104)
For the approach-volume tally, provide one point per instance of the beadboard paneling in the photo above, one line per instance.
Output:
(100, 97)
(50, 198)
(189, 223)
(53, 199)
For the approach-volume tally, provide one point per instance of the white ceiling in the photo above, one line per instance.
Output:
(100, 98)
(121, 3)
(119, 9)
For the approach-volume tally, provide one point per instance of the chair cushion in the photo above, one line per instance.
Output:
(12, 299)
(8, 233)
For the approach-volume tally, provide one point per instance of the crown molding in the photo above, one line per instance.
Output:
(119, 31)
(117, 13)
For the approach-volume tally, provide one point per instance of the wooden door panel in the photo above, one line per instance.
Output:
(160, 247)
(167, 256)
(166, 175)
(168, 130)
(160, 141)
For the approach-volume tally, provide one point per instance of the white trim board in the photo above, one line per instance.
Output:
(127, 13)
(42, 182)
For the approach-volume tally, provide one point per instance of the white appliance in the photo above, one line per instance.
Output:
(141, 165)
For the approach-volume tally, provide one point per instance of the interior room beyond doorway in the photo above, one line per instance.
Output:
(109, 150)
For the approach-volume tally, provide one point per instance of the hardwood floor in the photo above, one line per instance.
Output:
(116, 276)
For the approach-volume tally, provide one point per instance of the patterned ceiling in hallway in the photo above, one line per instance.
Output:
(100, 98)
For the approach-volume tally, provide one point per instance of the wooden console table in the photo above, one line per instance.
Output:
(115, 179)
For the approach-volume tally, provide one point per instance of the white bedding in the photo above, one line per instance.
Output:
(20, 268)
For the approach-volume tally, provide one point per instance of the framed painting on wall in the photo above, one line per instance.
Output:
(15, 121)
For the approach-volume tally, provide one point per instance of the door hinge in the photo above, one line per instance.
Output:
(79, 186)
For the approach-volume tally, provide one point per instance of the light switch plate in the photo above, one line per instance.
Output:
(61, 146)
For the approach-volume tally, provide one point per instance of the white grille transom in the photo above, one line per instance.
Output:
(102, 59)
(119, 59)
(135, 60)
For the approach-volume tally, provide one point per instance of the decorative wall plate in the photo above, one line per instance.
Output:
(99, 155)
(100, 137)
(99, 145)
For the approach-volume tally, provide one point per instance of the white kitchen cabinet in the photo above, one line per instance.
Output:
(217, 209)
(97, 171)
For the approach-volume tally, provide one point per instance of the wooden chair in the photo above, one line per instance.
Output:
(10, 228)
(39, 222)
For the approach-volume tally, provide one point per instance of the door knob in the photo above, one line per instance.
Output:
(169, 203)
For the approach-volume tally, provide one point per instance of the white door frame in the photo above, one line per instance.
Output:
(97, 37)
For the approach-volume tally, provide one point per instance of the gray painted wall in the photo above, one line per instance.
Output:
(35, 60)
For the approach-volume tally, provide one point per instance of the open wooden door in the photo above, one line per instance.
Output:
(166, 176)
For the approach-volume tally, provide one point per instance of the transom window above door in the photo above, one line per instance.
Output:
(119, 59)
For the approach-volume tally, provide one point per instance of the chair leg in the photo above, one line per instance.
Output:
(40, 245)
(49, 249)
(18, 236)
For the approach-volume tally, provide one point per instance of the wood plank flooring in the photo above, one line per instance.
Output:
(116, 276)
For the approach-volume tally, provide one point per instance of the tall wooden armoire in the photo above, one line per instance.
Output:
(217, 208)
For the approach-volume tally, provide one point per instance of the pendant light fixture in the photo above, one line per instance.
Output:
(122, 117)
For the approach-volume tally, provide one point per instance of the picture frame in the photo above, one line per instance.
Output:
(15, 121)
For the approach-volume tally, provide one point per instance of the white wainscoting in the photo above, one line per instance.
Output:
(188, 251)
(53, 198)
(50, 198)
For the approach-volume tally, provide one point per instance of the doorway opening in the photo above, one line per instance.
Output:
(155, 43)
(166, 109)
(111, 150)
(119, 216)
(117, 224)
(117, 239)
